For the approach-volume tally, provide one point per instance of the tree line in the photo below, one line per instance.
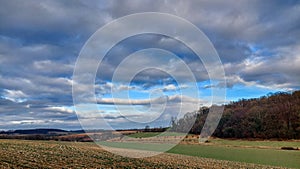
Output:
(276, 115)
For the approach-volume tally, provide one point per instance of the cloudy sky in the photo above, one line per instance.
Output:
(257, 41)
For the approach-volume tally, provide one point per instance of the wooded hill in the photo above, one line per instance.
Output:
(276, 115)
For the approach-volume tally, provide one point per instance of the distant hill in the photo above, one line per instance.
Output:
(36, 131)
(40, 132)
(37, 134)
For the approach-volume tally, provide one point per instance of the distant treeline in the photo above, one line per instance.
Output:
(276, 115)
(34, 131)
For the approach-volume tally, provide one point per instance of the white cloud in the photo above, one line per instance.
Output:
(160, 100)
(15, 95)
(60, 109)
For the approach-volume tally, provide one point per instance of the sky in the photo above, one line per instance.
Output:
(40, 41)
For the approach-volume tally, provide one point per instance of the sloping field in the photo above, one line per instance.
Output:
(51, 154)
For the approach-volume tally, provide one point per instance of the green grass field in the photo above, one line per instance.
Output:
(249, 155)
(231, 150)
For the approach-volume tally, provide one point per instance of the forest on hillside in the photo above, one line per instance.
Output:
(276, 115)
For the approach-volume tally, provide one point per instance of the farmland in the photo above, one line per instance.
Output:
(55, 154)
(249, 155)
(266, 155)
